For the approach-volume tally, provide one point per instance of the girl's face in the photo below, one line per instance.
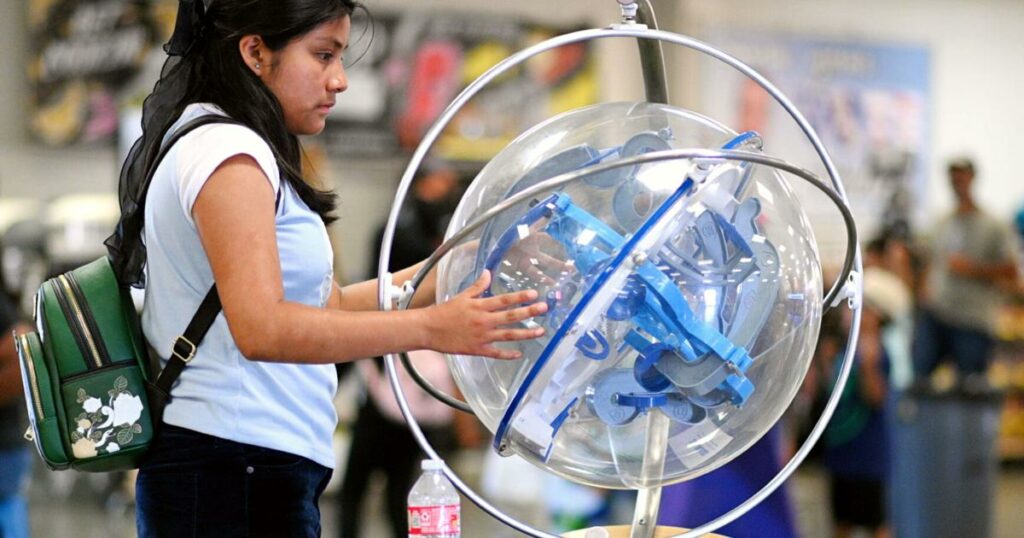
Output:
(307, 74)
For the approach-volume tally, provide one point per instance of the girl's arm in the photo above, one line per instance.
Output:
(362, 296)
(234, 213)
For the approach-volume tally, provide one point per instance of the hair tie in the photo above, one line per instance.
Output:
(188, 27)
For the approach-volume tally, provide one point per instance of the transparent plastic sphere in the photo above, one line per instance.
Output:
(684, 297)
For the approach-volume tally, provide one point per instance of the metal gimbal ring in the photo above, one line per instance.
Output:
(836, 193)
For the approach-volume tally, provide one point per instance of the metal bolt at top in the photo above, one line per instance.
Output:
(629, 9)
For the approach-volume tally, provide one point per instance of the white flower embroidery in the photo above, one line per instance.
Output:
(92, 405)
(103, 439)
(127, 409)
(117, 421)
(107, 412)
(84, 448)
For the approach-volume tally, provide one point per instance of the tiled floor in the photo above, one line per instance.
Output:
(69, 505)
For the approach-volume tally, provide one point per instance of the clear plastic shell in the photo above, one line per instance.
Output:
(684, 297)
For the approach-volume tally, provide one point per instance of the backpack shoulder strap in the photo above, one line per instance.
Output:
(185, 345)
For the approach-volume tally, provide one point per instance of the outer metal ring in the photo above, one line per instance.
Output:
(445, 118)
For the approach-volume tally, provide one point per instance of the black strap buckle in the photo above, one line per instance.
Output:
(185, 356)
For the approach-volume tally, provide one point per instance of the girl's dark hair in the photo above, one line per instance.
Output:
(210, 70)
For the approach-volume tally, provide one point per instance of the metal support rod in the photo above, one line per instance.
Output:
(652, 57)
(645, 515)
(648, 498)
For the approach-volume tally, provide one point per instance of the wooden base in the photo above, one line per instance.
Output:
(622, 531)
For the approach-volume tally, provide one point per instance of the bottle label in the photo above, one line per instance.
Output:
(434, 520)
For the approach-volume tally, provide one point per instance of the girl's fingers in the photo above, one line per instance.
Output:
(508, 299)
(521, 313)
(512, 335)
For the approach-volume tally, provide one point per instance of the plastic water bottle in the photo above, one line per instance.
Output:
(434, 504)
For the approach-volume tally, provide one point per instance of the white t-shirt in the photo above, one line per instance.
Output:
(287, 407)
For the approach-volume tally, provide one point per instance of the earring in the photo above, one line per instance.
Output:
(257, 66)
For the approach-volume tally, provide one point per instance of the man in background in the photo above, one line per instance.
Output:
(971, 261)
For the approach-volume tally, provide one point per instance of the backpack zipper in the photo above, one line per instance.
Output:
(73, 313)
(33, 382)
(92, 330)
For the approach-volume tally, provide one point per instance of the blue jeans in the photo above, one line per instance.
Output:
(193, 485)
(935, 340)
(14, 469)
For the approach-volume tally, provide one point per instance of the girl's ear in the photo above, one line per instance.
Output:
(254, 53)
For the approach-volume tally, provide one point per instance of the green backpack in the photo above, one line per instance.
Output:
(92, 390)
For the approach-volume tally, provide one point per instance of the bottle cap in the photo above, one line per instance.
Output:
(432, 465)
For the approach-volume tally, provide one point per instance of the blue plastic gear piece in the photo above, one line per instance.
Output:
(617, 399)
(645, 371)
(604, 401)
(667, 316)
(593, 345)
(746, 138)
(686, 364)
(680, 408)
(641, 401)
(629, 301)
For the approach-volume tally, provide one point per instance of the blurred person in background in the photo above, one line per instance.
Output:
(381, 440)
(897, 254)
(15, 452)
(856, 441)
(809, 402)
(698, 501)
(887, 257)
(424, 218)
(971, 263)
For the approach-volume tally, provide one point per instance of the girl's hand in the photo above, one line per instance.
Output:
(469, 324)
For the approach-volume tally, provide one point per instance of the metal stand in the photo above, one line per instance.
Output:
(648, 501)
(637, 22)
(652, 58)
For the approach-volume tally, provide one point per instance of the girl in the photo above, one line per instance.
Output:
(245, 448)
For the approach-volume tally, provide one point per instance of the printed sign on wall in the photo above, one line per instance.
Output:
(417, 63)
(868, 102)
(95, 60)
(84, 52)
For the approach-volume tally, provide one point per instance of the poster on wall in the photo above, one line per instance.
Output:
(868, 102)
(84, 52)
(94, 61)
(416, 64)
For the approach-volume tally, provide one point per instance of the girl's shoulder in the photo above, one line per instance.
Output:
(200, 152)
